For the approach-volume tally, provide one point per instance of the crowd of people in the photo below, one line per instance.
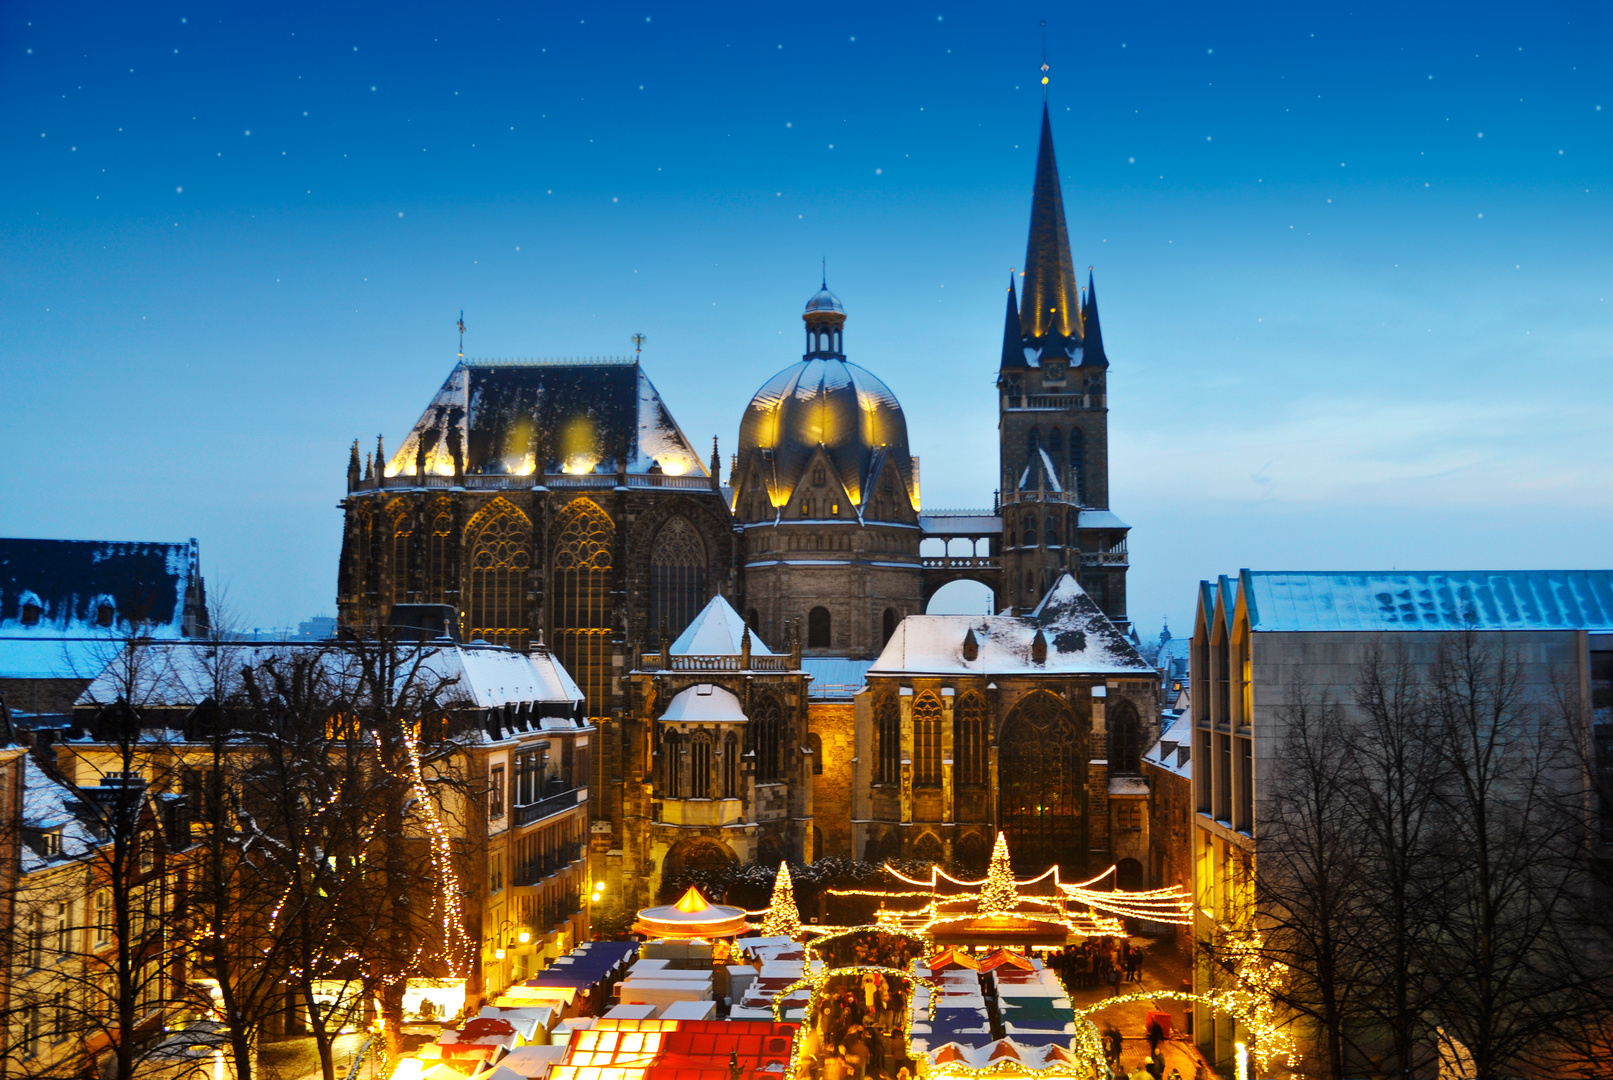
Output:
(1099, 962)
(855, 1031)
(871, 948)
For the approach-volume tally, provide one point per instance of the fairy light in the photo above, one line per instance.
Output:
(456, 942)
(783, 917)
(998, 895)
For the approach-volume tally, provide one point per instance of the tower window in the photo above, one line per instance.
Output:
(890, 623)
(1033, 441)
(103, 615)
(30, 614)
(818, 628)
(1030, 530)
(818, 477)
(834, 510)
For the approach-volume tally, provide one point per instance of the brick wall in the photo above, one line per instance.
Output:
(833, 722)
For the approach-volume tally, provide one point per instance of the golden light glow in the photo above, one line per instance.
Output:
(783, 917)
(523, 937)
(673, 466)
(577, 445)
(691, 902)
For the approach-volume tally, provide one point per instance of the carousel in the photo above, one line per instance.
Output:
(693, 916)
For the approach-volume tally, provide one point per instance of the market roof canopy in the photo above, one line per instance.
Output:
(691, 917)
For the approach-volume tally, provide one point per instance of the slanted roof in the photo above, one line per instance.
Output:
(1174, 750)
(586, 414)
(1439, 600)
(835, 678)
(1080, 640)
(155, 588)
(717, 631)
(188, 673)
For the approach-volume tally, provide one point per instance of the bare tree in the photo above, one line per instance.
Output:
(1393, 780)
(1308, 891)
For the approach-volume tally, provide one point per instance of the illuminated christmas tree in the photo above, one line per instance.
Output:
(998, 895)
(783, 918)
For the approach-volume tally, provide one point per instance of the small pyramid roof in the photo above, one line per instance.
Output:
(717, 631)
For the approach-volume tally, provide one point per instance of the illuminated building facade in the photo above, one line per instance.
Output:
(1029, 725)
(545, 501)
(717, 733)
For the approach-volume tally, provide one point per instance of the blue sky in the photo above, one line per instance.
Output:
(1352, 259)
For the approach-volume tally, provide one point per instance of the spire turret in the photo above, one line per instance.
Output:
(1013, 337)
(1051, 301)
(1093, 355)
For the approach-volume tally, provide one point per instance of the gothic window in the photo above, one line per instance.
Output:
(891, 619)
(767, 739)
(815, 745)
(818, 628)
(671, 765)
(928, 847)
(806, 508)
(1030, 529)
(730, 767)
(888, 740)
(438, 547)
(677, 576)
(1125, 738)
(1033, 442)
(1041, 768)
(1052, 531)
(582, 608)
(926, 739)
(700, 766)
(819, 478)
(1055, 441)
(402, 540)
(499, 539)
(969, 739)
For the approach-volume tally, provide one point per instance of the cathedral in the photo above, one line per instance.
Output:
(734, 641)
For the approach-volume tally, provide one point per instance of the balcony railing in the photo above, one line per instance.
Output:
(683, 662)
(538, 871)
(554, 804)
(1115, 556)
(507, 482)
(962, 562)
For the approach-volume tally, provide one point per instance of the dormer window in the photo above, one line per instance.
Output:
(30, 614)
(818, 477)
(103, 615)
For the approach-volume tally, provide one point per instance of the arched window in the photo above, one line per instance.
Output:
(754, 621)
(818, 628)
(1052, 531)
(671, 765)
(1125, 738)
(402, 541)
(1078, 466)
(767, 738)
(730, 766)
(1033, 442)
(581, 604)
(928, 847)
(815, 744)
(887, 739)
(439, 545)
(927, 739)
(700, 766)
(1041, 772)
(677, 576)
(891, 620)
(1030, 529)
(499, 538)
(969, 739)
(1055, 441)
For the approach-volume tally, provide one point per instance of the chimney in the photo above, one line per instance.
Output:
(971, 645)
(1039, 647)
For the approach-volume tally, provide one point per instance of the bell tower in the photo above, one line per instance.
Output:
(1053, 420)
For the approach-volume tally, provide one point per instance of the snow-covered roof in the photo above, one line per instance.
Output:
(587, 412)
(704, 702)
(1080, 640)
(52, 593)
(46, 805)
(1174, 750)
(1430, 600)
(188, 673)
(1100, 519)
(960, 522)
(717, 631)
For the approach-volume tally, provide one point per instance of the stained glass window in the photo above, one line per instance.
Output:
(500, 539)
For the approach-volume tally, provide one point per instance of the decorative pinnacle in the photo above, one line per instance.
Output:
(461, 333)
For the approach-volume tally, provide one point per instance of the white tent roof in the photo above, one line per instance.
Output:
(717, 631)
(704, 702)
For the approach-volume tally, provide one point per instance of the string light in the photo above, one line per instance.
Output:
(783, 917)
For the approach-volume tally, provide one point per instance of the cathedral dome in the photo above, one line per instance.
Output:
(829, 402)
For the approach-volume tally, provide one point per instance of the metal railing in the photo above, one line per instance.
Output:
(510, 482)
(554, 804)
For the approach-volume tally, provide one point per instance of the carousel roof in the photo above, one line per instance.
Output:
(693, 916)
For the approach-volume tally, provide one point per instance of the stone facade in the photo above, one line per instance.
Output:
(832, 728)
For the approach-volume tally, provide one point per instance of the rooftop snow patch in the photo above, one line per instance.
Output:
(1080, 640)
(717, 631)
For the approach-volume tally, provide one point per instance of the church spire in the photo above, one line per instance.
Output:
(1050, 303)
(1092, 355)
(1013, 342)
